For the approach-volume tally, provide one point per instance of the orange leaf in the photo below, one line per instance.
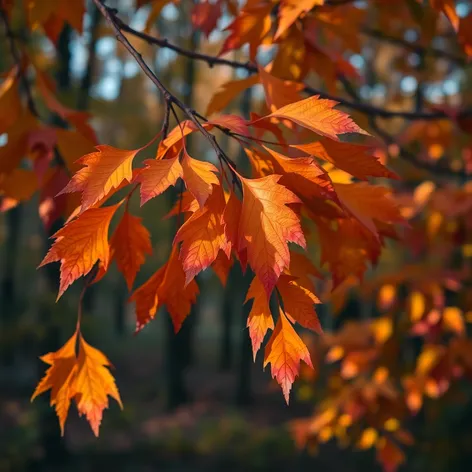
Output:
(176, 136)
(227, 92)
(199, 177)
(260, 317)
(10, 103)
(318, 115)
(290, 11)
(93, 384)
(368, 203)
(347, 248)
(284, 351)
(158, 176)
(80, 244)
(105, 170)
(301, 268)
(205, 16)
(203, 236)
(303, 176)
(60, 379)
(166, 287)
(353, 158)
(84, 378)
(175, 293)
(234, 123)
(251, 26)
(147, 300)
(278, 92)
(448, 7)
(222, 266)
(130, 243)
(266, 226)
(299, 303)
(185, 203)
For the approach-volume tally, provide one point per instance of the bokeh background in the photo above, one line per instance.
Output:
(196, 400)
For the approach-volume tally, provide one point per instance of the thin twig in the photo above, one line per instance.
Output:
(110, 16)
(15, 53)
(414, 47)
(252, 68)
(433, 167)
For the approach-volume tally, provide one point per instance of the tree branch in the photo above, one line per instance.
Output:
(15, 53)
(414, 47)
(170, 99)
(412, 158)
(250, 67)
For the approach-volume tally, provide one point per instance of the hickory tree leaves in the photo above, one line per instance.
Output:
(251, 220)
(301, 188)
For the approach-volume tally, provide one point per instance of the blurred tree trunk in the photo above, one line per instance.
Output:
(53, 447)
(187, 333)
(120, 295)
(83, 102)
(243, 385)
(8, 310)
(179, 353)
(83, 98)
(227, 313)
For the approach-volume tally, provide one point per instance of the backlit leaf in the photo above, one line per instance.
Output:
(80, 244)
(284, 352)
(266, 225)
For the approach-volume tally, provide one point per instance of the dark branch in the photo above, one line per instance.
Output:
(252, 68)
(435, 168)
(170, 99)
(415, 47)
(15, 53)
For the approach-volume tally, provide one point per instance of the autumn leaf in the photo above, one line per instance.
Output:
(80, 244)
(357, 160)
(93, 384)
(447, 7)
(203, 236)
(260, 317)
(147, 299)
(205, 16)
(368, 203)
(10, 103)
(234, 123)
(158, 176)
(130, 243)
(299, 302)
(60, 379)
(266, 225)
(83, 378)
(301, 267)
(221, 266)
(199, 177)
(175, 292)
(227, 92)
(185, 203)
(251, 26)
(168, 287)
(290, 11)
(347, 247)
(284, 351)
(318, 115)
(278, 92)
(104, 170)
(303, 177)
